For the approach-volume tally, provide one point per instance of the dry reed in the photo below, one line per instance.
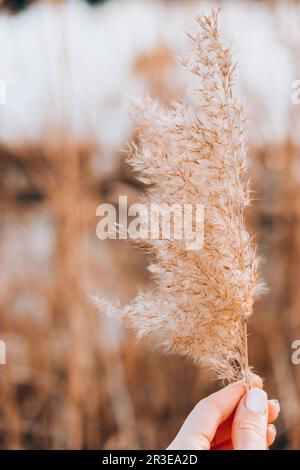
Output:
(193, 154)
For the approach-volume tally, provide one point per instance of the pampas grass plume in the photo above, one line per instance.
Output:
(197, 153)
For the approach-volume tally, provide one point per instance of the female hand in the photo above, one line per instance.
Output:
(230, 419)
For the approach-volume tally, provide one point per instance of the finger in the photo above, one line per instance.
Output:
(256, 381)
(223, 433)
(249, 427)
(202, 423)
(227, 443)
(271, 434)
(274, 409)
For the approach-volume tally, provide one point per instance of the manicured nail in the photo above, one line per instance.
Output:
(276, 402)
(271, 426)
(256, 401)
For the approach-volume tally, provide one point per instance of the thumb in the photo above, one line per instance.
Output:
(249, 427)
(201, 425)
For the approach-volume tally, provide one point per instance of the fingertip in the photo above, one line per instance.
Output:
(271, 434)
(274, 410)
(256, 381)
(276, 404)
(256, 401)
(239, 387)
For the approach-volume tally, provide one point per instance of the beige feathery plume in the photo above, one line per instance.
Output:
(193, 154)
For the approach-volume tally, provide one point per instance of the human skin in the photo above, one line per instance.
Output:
(230, 419)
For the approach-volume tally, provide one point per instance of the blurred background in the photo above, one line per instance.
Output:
(73, 378)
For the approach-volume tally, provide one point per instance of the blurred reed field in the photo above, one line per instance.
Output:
(75, 379)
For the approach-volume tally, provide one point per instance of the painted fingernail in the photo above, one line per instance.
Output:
(256, 401)
(272, 427)
(276, 402)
